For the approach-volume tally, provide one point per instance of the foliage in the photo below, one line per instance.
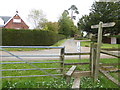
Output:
(12, 37)
(66, 25)
(49, 82)
(37, 17)
(74, 10)
(51, 26)
(104, 45)
(102, 11)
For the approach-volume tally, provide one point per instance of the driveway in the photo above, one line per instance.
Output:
(70, 46)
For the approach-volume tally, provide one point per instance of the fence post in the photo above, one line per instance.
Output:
(91, 58)
(94, 60)
(62, 59)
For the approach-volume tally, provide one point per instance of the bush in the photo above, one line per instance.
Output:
(12, 37)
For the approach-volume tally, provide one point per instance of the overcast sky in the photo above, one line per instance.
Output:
(52, 8)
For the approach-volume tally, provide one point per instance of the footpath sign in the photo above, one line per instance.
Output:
(111, 24)
(95, 62)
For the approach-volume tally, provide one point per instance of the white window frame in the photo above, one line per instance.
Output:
(17, 20)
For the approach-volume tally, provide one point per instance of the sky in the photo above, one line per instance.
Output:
(52, 8)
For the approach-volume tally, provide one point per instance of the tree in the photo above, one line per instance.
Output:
(74, 10)
(52, 26)
(102, 11)
(66, 25)
(84, 24)
(37, 17)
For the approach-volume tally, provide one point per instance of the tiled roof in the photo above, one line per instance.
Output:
(1, 26)
(5, 18)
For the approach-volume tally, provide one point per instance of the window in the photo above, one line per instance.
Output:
(18, 28)
(17, 20)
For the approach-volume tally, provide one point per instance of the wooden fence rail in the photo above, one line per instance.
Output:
(115, 54)
(110, 77)
(81, 53)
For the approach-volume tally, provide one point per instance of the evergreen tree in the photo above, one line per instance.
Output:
(102, 11)
(73, 10)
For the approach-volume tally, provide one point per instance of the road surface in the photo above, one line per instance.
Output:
(70, 46)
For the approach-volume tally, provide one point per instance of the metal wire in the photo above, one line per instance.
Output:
(28, 63)
(30, 76)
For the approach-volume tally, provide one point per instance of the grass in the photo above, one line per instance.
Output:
(59, 42)
(104, 45)
(23, 49)
(102, 82)
(115, 75)
(49, 82)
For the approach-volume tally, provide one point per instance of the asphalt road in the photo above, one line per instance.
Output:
(70, 46)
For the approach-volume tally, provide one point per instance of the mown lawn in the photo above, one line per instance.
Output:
(104, 45)
(48, 81)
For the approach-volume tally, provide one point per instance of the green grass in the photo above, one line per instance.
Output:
(102, 82)
(59, 42)
(85, 43)
(49, 82)
(115, 75)
(112, 46)
(23, 49)
(104, 45)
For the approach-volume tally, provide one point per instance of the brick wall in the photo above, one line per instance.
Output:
(16, 25)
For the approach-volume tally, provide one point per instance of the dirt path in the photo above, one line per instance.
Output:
(70, 46)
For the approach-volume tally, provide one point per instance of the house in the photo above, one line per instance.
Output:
(14, 22)
(115, 39)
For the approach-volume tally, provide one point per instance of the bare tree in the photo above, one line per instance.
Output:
(37, 17)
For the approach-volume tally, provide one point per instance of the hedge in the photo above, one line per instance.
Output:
(12, 37)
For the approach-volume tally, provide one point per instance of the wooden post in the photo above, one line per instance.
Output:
(62, 59)
(91, 46)
(94, 60)
(99, 42)
(92, 56)
(96, 55)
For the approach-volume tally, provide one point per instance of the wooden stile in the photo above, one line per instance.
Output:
(81, 73)
(71, 70)
(69, 73)
(76, 83)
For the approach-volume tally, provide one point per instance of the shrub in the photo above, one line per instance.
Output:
(12, 37)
